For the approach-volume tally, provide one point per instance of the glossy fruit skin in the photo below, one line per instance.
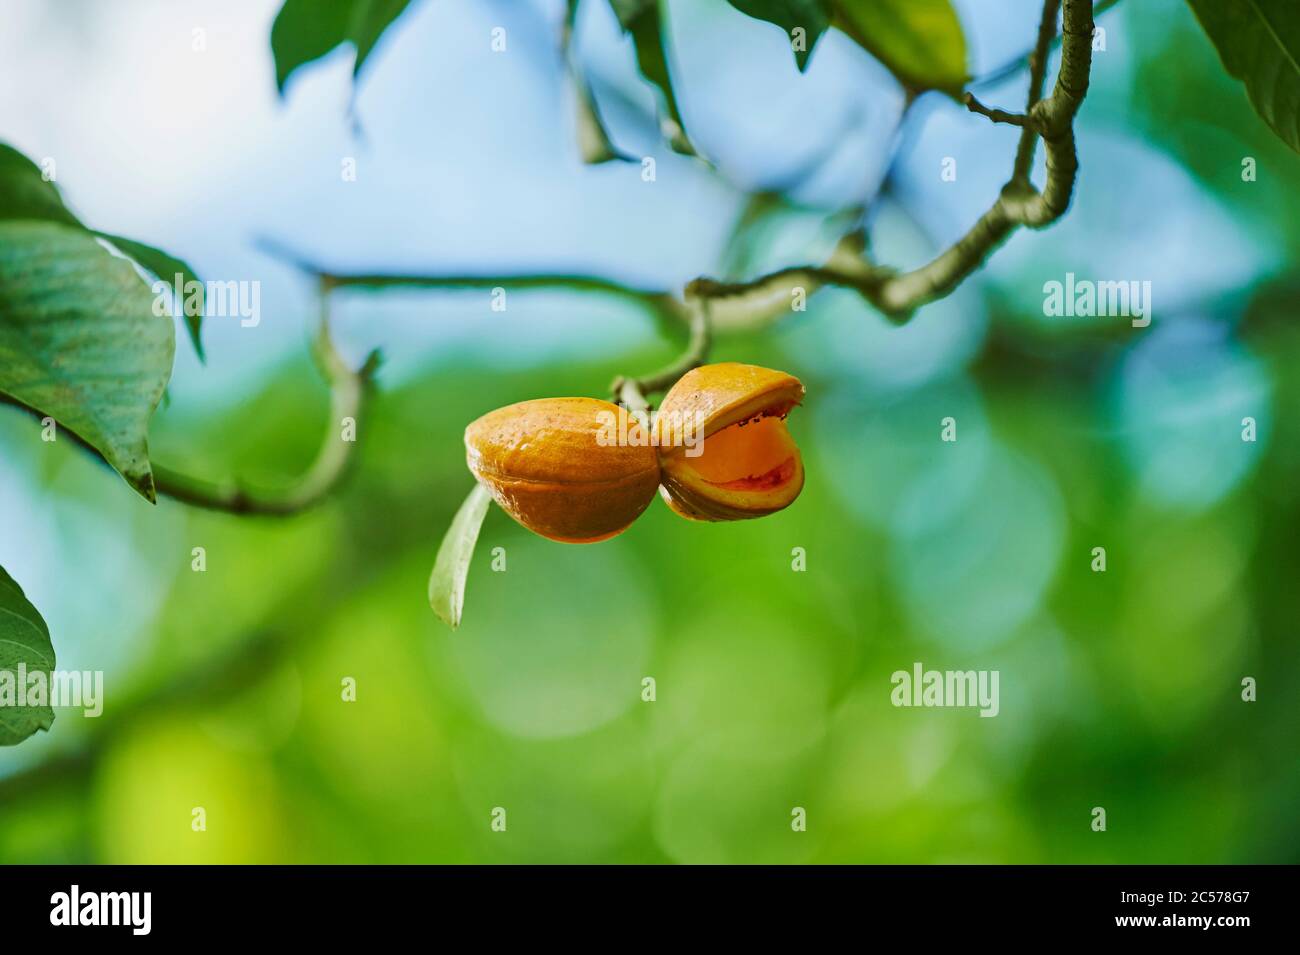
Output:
(720, 396)
(552, 466)
(728, 392)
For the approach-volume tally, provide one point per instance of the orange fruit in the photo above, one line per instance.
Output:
(724, 450)
(577, 470)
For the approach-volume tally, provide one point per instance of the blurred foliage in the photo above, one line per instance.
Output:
(813, 17)
(1119, 689)
(921, 41)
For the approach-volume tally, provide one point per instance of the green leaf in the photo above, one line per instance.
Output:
(24, 641)
(920, 41)
(79, 341)
(166, 267)
(26, 194)
(643, 20)
(447, 582)
(811, 16)
(305, 30)
(1259, 43)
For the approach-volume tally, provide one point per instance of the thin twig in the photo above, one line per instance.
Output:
(348, 392)
(996, 115)
(632, 392)
(1013, 66)
(1037, 81)
(660, 301)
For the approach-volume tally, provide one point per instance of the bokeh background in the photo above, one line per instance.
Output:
(1118, 689)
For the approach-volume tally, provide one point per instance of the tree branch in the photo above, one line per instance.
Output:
(659, 300)
(898, 295)
(895, 294)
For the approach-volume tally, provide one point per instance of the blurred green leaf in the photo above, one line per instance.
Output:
(25, 641)
(920, 41)
(594, 143)
(1259, 43)
(79, 341)
(305, 30)
(812, 16)
(447, 582)
(25, 193)
(643, 20)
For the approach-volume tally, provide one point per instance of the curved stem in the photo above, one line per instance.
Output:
(579, 281)
(996, 115)
(348, 393)
(631, 392)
